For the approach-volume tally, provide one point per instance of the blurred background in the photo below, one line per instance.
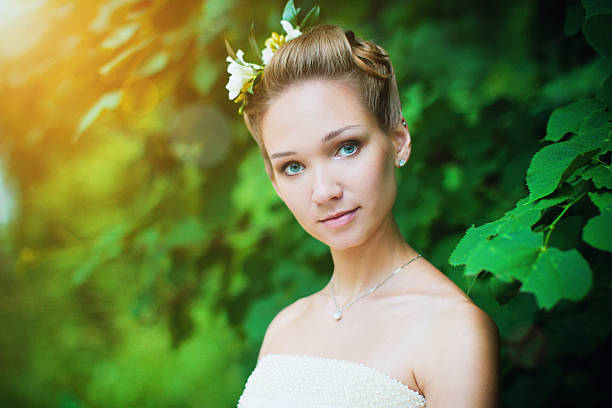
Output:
(143, 251)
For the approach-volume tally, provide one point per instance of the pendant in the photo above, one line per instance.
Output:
(338, 315)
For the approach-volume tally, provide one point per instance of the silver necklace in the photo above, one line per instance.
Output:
(339, 310)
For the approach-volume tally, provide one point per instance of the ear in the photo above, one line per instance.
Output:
(402, 142)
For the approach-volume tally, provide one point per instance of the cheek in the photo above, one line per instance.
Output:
(298, 201)
(295, 198)
(377, 174)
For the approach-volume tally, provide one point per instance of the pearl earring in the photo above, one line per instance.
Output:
(401, 162)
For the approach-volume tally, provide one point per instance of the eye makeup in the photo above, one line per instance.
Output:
(345, 149)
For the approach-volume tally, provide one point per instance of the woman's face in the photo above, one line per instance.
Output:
(333, 166)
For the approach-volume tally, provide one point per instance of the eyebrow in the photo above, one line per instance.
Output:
(326, 138)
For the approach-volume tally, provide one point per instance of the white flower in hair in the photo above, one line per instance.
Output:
(241, 73)
(244, 75)
(291, 32)
(276, 40)
(266, 55)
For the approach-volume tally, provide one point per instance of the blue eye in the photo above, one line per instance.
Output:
(348, 149)
(292, 168)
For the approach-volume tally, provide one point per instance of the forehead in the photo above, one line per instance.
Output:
(306, 112)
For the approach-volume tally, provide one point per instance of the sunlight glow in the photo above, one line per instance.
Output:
(12, 10)
(21, 26)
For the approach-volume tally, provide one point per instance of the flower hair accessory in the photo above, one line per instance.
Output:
(244, 75)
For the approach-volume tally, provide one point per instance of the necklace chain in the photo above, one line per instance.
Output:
(339, 310)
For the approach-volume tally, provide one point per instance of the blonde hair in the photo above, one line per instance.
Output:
(326, 52)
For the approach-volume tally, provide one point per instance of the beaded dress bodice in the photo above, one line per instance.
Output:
(298, 381)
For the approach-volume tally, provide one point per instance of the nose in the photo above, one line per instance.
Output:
(325, 187)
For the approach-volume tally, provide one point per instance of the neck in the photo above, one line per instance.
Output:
(359, 268)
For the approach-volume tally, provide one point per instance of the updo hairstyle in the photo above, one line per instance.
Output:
(326, 52)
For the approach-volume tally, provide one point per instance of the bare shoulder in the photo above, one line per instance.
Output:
(464, 319)
(282, 319)
(462, 365)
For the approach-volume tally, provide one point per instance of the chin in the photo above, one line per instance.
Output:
(341, 240)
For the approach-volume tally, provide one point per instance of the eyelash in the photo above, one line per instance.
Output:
(343, 145)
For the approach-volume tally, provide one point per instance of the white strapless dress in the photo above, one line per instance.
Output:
(299, 381)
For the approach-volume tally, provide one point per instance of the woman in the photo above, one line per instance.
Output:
(389, 329)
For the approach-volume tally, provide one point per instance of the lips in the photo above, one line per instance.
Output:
(340, 218)
(336, 215)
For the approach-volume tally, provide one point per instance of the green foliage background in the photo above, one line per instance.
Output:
(143, 251)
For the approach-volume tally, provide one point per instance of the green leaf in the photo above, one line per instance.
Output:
(524, 245)
(596, 30)
(522, 217)
(594, 139)
(602, 200)
(108, 101)
(553, 164)
(600, 174)
(597, 7)
(563, 193)
(312, 17)
(558, 275)
(228, 47)
(253, 44)
(569, 118)
(596, 120)
(290, 13)
(472, 241)
(596, 231)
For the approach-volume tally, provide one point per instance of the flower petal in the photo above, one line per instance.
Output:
(237, 69)
(287, 26)
(266, 55)
(240, 55)
(291, 32)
